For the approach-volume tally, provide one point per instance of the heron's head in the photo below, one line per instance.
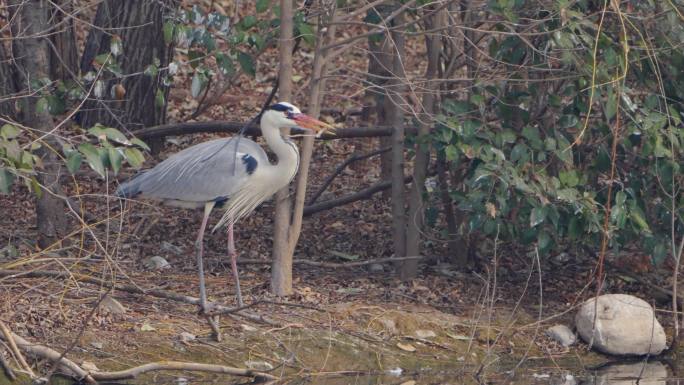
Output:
(286, 115)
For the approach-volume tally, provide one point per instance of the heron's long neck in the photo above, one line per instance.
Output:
(286, 151)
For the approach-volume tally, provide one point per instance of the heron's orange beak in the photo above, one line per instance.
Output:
(305, 121)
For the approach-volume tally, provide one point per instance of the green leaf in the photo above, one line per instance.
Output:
(638, 217)
(140, 144)
(195, 58)
(42, 105)
(307, 33)
(197, 85)
(151, 70)
(570, 195)
(456, 107)
(532, 135)
(543, 240)
(247, 63)
(618, 215)
(537, 216)
(73, 161)
(225, 63)
(564, 151)
(168, 28)
(109, 133)
(35, 187)
(101, 59)
(574, 228)
(569, 178)
(262, 5)
(6, 180)
(249, 21)
(134, 157)
(159, 100)
(9, 131)
(567, 121)
(115, 159)
(12, 150)
(451, 152)
(93, 158)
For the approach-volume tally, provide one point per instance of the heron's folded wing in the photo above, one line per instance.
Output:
(207, 171)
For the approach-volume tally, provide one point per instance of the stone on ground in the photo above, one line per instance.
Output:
(625, 325)
(561, 334)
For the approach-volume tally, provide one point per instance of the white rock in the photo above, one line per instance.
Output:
(625, 325)
(425, 334)
(561, 334)
(157, 263)
(186, 337)
(259, 365)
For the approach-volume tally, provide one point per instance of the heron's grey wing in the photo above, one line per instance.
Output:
(207, 171)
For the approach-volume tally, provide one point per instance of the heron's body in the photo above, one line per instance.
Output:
(233, 173)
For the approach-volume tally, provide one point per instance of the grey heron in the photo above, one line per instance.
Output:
(233, 173)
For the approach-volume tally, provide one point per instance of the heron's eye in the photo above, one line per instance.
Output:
(289, 115)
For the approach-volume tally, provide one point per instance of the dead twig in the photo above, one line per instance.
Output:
(9, 338)
(92, 377)
(176, 365)
(7, 369)
(44, 352)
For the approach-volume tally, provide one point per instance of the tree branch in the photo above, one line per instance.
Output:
(363, 194)
(341, 168)
(186, 128)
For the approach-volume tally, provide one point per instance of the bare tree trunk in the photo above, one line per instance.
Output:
(63, 51)
(409, 268)
(8, 84)
(380, 54)
(281, 268)
(317, 85)
(139, 26)
(384, 108)
(33, 58)
(395, 96)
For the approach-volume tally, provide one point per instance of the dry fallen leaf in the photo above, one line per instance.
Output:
(406, 347)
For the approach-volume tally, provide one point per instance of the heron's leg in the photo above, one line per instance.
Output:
(199, 250)
(233, 262)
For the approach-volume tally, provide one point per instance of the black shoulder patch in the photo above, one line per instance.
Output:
(280, 107)
(220, 201)
(250, 163)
